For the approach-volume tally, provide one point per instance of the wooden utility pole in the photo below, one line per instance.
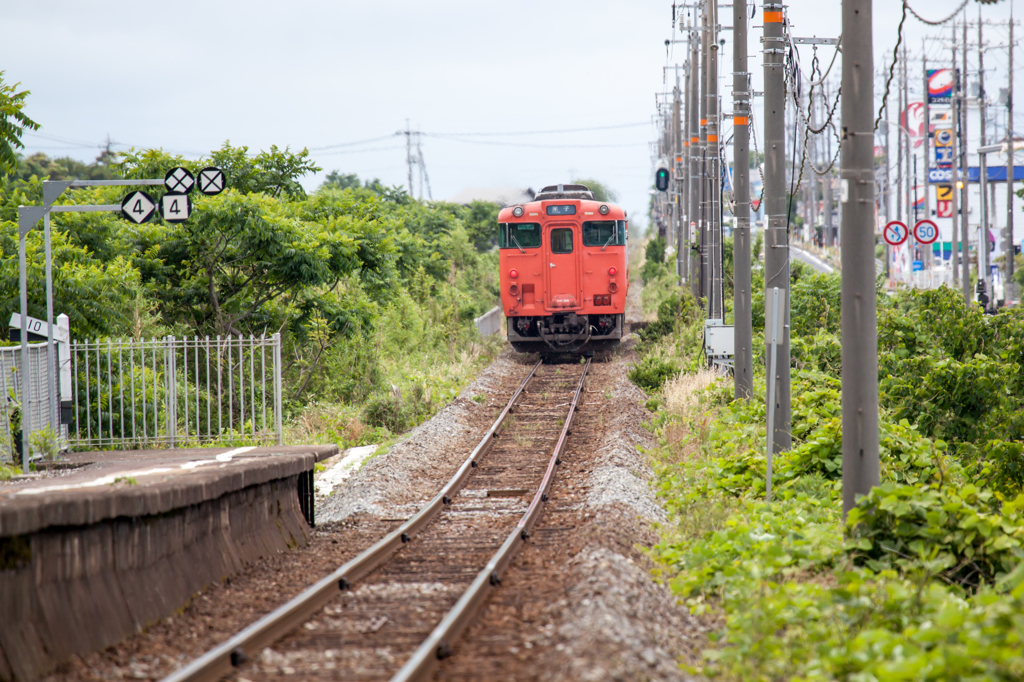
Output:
(743, 359)
(857, 194)
(776, 241)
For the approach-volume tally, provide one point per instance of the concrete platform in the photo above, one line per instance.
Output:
(95, 552)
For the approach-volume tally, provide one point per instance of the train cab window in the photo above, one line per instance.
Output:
(604, 233)
(518, 235)
(561, 240)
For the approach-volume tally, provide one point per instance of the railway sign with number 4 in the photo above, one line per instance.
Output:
(895, 233)
(138, 207)
(926, 232)
(175, 208)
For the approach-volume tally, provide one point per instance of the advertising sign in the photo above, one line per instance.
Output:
(913, 120)
(940, 85)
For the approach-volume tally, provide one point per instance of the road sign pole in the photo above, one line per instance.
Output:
(776, 240)
(743, 370)
(857, 194)
(51, 357)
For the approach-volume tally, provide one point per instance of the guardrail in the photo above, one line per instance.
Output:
(490, 322)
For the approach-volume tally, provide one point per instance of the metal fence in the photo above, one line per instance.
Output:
(176, 392)
(43, 415)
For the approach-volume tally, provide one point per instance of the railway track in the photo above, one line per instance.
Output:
(398, 608)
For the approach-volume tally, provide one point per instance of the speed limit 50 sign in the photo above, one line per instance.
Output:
(926, 231)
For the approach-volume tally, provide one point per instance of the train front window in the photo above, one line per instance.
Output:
(604, 233)
(561, 240)
(518, 235)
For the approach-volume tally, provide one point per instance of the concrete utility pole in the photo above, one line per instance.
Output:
(983, 242)
(908, 151)
(1008, 243)
(926, 255)
(776, 240)
(715, 304)
(693, 201)
(965, 239)
(859, 324)
(408, 153)
(677, 172)
(743, 359)
(901, 106)
(705, 271)
(829, 229)
(955, 174)
(888, 183)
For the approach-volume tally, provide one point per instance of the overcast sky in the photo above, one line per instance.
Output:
(186, 76)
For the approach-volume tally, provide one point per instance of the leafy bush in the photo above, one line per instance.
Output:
(952, 533)
(652, 372)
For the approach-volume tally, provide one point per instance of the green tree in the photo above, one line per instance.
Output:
(602, 192)
(13, 122)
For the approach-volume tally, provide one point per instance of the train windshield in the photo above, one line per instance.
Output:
(604, 233)
(518, 235)
(561, 240)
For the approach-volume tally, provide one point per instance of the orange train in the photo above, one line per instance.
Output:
(564, 275)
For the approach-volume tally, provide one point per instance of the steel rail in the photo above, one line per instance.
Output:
(235, 651)
(438, 645)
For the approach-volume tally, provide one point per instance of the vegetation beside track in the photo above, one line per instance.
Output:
(925, 580)
(373, 292)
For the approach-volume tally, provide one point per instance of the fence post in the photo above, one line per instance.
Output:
(172, 390)
(277, 389)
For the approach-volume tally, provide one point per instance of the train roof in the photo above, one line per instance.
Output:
(579, 195)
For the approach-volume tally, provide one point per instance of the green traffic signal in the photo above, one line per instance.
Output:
(661, 179)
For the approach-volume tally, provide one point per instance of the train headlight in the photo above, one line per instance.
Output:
(604, 209)
(514, 290)
(518, 211)
(612, 272)
(513, 273)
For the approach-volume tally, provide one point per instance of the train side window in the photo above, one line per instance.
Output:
(561, 240)
(518, 235)
(604, 232)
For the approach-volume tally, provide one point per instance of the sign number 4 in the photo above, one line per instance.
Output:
(175, 208)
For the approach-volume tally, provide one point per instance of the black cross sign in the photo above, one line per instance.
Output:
(211, 181)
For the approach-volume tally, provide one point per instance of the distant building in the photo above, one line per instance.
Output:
(503, 196)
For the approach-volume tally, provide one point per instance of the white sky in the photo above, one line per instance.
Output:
(186, 76)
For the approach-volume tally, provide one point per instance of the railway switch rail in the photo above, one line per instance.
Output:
(454, 549)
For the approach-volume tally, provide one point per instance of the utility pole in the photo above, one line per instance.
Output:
(901, 107)
(743, 358)
(926, 255)
(677, 156)
(983, 243)
(716, 307)
(1008, 243)
(408, 153)
(702, 225)
(776, 240)
(955, 172)
(693, 201)
(859, 324)
(888, 184)
(908, 148)
(965, 243)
